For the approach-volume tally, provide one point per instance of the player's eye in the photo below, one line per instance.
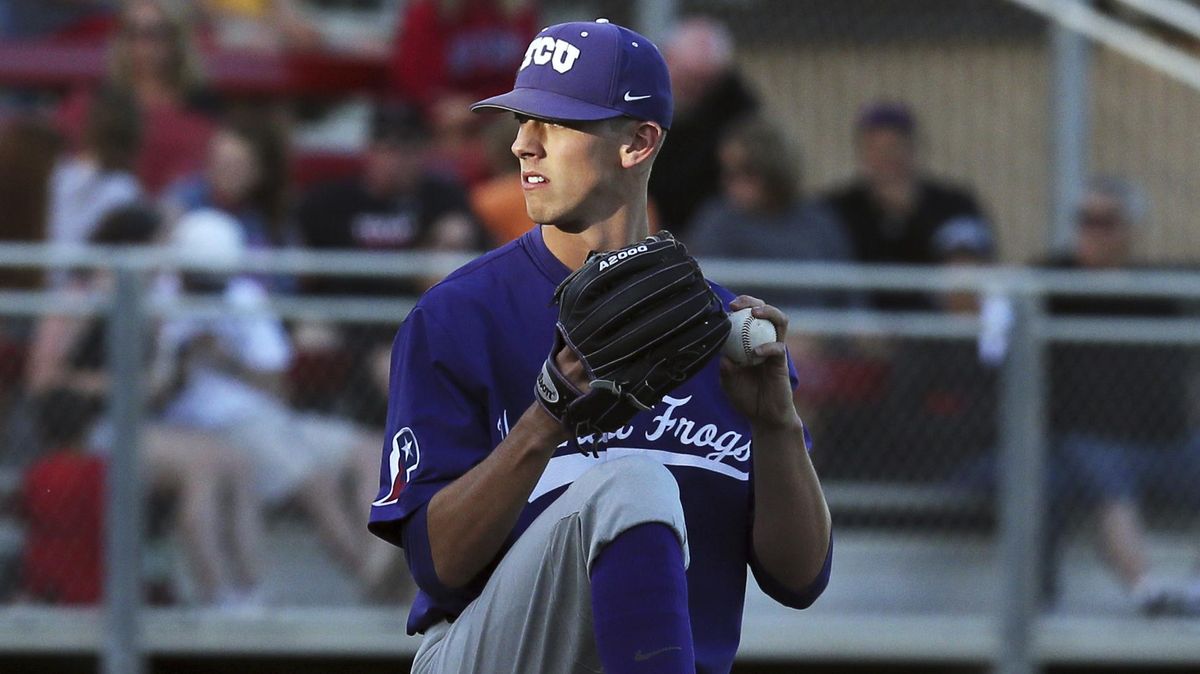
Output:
(521, 119)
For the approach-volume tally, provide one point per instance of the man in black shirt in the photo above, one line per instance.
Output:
(395, 204)
(1119, 411)
(891, 212)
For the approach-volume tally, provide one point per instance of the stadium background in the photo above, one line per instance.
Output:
(923, 580)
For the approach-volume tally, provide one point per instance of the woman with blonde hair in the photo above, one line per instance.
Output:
(151, 56)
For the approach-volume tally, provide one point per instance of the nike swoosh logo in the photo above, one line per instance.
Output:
(631, 99)
(642, 657)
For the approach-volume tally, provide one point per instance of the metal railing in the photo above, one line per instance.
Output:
(1012, 635)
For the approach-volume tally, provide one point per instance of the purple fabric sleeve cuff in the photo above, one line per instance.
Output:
(788, 597)
(415, 536)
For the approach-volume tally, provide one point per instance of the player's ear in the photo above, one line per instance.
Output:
(640, 143)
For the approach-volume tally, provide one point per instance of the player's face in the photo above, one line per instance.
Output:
(570, 173)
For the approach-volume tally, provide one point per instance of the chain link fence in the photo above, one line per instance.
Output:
(1011, 470)
(916, 418)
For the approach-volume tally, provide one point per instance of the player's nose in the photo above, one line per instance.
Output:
(528, 143)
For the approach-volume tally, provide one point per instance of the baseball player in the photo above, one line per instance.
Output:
(630, 556)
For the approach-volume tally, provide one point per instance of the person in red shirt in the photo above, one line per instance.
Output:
(152, 57)
(468, 47)
(451, 52)
(62, 498)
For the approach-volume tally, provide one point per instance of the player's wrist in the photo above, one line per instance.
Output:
(546, 432)
(780, 424)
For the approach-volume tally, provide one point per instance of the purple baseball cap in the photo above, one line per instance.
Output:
(586, 71)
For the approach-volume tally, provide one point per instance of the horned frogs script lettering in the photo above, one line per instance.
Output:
(688, 432)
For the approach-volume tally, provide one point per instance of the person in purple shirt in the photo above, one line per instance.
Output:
(529, 555)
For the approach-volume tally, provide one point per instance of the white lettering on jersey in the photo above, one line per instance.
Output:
(727, 444)
(502, 425)
(559, 53)
(687, 432)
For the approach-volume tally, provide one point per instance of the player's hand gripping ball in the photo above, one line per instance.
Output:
(748, 333)
(642, 320)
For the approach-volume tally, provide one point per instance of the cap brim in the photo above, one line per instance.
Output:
(546, 105)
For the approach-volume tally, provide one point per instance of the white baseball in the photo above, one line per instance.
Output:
(747, 334)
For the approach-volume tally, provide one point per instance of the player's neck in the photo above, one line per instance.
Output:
(627, 224)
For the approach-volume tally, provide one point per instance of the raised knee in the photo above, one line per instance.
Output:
(635, 478)
(625, 493)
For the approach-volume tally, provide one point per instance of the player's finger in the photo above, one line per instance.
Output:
(771, 350)
(777, 318)
(742, 301)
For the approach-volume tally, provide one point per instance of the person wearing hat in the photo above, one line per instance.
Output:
(217, 518)
(891, 211)
(1120, 413)
(529, 556)
(226, 380)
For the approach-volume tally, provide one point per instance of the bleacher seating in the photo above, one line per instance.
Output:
(59, 67)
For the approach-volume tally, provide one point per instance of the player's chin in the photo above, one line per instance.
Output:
(555, 218)
(569, 226)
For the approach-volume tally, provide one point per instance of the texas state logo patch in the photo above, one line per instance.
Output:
(402, 461)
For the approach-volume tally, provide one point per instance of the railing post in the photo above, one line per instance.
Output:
(1070, 97)
(1022, 487)
(123, 524)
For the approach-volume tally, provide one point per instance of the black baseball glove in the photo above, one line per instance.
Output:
(642, 320)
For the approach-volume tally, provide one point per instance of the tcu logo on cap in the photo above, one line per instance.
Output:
(559, 53)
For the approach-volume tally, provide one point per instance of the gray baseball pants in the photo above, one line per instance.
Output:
(535, 613)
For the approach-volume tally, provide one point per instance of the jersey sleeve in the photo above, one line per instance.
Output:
(436, 428)
(772, 587)
(786, 596)
(435, 432)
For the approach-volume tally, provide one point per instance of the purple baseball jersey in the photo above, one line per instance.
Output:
(463, 367)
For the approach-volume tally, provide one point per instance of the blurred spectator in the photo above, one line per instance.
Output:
(761, 214)
(500, 202)
(28, 150)
(710, 95)
(941, 404)
(98, 178)
(151, 57)
(229, 371)
(63, 504)
(459, 148)
(59, 20)
(891, 211)
(467, 47)
(244, 175)
(269, 25)
(218, 514)
(1120, 410)
(396, 204)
